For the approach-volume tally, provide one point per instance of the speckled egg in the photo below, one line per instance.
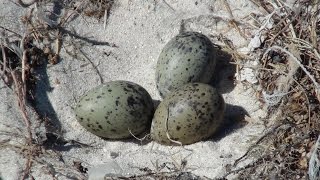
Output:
(188, 57)
(187, 115)
(112, 109)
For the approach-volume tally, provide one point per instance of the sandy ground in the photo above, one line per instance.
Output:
(139, 29)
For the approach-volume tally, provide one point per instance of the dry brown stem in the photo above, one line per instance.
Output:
(232, 20)
(298, 61)
(25, 5)
(93, 66)
(290, 67)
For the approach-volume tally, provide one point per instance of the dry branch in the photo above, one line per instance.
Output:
(298, 61)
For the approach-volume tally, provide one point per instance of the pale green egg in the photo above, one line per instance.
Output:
(187, 115)
(115, 109)
(187, 57)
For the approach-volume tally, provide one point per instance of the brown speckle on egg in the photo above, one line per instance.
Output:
(195, 112)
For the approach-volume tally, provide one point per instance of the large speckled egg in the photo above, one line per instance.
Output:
(112, 109)
(188, 57)
(187, 115)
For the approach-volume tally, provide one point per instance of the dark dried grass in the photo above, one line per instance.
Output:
(295, 123)
(20, 55)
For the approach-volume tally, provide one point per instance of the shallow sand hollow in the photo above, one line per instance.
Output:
(139, 30)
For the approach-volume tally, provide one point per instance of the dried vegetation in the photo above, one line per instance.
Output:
(21, 56)
(288, 76)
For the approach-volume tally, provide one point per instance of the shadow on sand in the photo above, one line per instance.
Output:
(224, 81)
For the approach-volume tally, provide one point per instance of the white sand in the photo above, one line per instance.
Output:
(139, 29)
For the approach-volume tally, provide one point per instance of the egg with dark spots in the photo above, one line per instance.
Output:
(186, 58)
(187, 115)
(115, 109)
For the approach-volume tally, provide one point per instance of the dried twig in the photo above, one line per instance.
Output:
(165, 2)
(21, 102)
(294, 35)
(271, 131)
(139, 139)
(105, 19)
(298, 61)
(232, 20)
(94, 66)
(19, 89)
(25, 5)
(303, 44)
(4, 63)
(308, 101)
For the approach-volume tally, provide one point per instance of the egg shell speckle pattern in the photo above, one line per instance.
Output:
(189, 114)
(112, 109)
(188, 57)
